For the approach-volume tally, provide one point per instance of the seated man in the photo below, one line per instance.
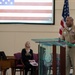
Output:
(27, 57)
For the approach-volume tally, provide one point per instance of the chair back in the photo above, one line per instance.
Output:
(17, 55)
(18, 58)
(35, 56)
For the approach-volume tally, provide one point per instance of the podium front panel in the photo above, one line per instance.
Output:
(52, 56)
(49, 59)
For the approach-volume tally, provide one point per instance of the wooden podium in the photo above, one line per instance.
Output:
(44, 46)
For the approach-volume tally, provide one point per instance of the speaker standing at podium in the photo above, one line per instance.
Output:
(68, 35)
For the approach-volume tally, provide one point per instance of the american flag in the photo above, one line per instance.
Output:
(65, 13)
(26, 11)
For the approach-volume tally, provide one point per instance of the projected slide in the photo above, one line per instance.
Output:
(27, 11)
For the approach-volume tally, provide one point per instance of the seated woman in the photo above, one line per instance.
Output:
(27, 57)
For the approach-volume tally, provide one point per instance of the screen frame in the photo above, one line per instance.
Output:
(35, 23)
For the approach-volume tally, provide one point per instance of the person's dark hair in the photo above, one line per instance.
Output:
(69, 17)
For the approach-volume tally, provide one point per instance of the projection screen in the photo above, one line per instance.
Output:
(27, 11)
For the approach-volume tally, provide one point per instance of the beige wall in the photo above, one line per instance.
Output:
(13, 36)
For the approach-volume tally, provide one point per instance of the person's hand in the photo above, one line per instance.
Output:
(73, 42)
(31, 60)
(28, 54)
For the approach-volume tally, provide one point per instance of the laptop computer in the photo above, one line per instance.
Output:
(2, 55)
